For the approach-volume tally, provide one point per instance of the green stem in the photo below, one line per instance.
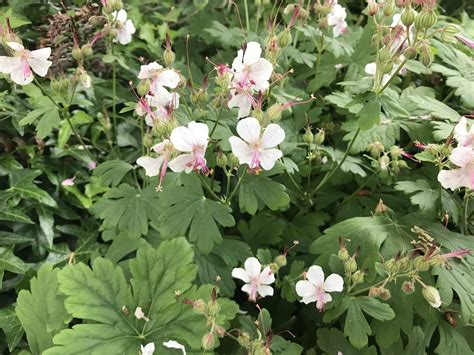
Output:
(217, 120)
(206, 186)
(114, 94)
(310, 162)
(294, 183)
(65, 114)
(247, 22)
(330, 173)
(465, 230)
(229, 177)
(392, 77)
(228, 199)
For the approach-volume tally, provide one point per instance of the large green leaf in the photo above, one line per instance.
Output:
(21, 183)
(185, 209)
(11, 326)
(257, 191)
(111, 172)
(103, 298)
(41, 311)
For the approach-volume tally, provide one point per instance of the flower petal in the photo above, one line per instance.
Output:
(181, 163)
(241, 274)
(242, 102)
(268, 157)
(9, 64)
(175, 345)
(264, 290)
(200, 131)
(462, 156)
(182, 139)
(266, 277)
(272, 136)
(40, 66)
(151, 165)
(21, 77)
(169, 78)
(252, 53)
(249, 130)
(253, 267)
(457, 178)
(15, 46)
(241, 150)
(304, 288)
(315, 275)
(333, 283)
(130, 27)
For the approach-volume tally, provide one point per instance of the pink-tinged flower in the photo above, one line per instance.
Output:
(124, 28)
(467, 41)
(242, 97)
(92, 165)
(155, 166)
(337, 19)
(24, 62)
(159, 78)
(172, 344)
(256, 280)
(249, 68)
(157, 107)
(453, 179)
(68, 182)
(148, 349)
(192, 141)
(400, 33)
(256, 149)
(316, 288)
(464, 135)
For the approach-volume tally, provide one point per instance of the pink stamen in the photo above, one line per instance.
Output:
(409, 156)
(255, 162)
(457, 253)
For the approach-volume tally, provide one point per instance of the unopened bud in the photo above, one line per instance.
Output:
(208, 341)
(221, 160)
(389, 8)
(358, 277)
(77, 54)
(372, 8)
(395, 152)
(426, 56)
(55, 86)
(384, 162)
(432, 295)
(144, 87)
(213, 308)
(281, 261)
(169, 57)
(148, 140)
(449, 32)
(320, 137)
(274, 112)
(408, 16)
(350, 265)
(392, 266)
(410, 53)
(117, 5)
(284, 38)
(199, 307)
(384, 54)
(375, 149)
(108, 9)
(87, 50)
(343, 254)
(427, 19)
(381, 207)
(386, 67)
(402, 164)
(233, 160)
(421, 264)
(308, 136)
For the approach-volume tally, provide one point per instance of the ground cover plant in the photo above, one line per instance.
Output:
(236, 177)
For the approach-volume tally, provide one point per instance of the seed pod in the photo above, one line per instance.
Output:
(408, 287)
(213, 308)
(117, 5)
(77, 54)
(350, 265)
(410, 53)
(169, 57)
(384, 54)
(343, 254)
(308, 136)
(208, 341)
(284, 38)
(87, 50)
(144, 87)
(421, 264)
(281, 261)
(274, 112)
(358, 277)
(408, 16)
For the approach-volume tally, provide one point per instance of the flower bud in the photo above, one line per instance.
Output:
(410, 53)
(449, 32)
(308, 136)
(432, 295)
(402, 164)
(343, 254)
(284, 38)
(117, 5)
(372, 8)
(169, 57)
(392, 266)
(408, 16)
(389, 8)
(381, 207)
(199, 307)
(408, 287)
(384, 162)
(213, 308)
(77, 54)
(421, 264)
(274, 112)
(208, 341)
(108, 9)
(244, 340)
(426, 56)
(375, 149)
(395, 152)
(55, 86)
(358, 277)
(387, 67)
(320, 137)
(350, 265)
(87, 50)
(404, 264)
(199, 97)
(428, 19)
(281, 261)
(144, 87)
(85, 79)
(221, 160)
(384, 54)
(234, 161)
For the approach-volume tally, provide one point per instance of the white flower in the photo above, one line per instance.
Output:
(158, 107)
(22, 63)
(315, 288)
(124, 29)
(159, 78)
(255, 149)
(68, 182)
(432, 295)
(453, 179)
(155, 166)
(400, 33)
(191, 140)
(463, 135)
(371, 70)
(148, 349)
(337, 19)
(243, 99)
(249, 68)
(256, 282)
(139, 314)
(175, 345)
